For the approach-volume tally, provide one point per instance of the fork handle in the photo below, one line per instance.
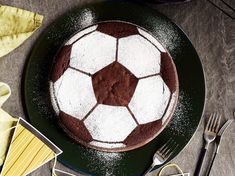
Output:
(149, 170)
(211, 164)
(200, 162)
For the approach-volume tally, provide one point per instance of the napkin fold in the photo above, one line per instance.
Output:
(29, 149)
(6, 122)
(16, 25)
(173, 165)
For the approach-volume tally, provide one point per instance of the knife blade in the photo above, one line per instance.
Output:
(220, 133)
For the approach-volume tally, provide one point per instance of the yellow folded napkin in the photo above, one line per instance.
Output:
(16, 25)
(29, 149)
(6, 122)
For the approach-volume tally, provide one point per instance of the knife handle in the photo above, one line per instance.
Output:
(200, 162)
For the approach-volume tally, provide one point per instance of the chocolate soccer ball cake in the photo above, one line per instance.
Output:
(113, 87)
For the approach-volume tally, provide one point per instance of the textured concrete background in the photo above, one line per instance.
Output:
(211, 32)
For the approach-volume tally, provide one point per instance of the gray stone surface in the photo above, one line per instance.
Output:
(211, 32)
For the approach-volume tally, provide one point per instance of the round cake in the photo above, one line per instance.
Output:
(113, 87)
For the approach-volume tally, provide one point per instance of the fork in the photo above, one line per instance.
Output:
(210, 133)
(163, 154)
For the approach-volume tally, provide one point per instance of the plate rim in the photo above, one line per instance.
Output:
(90, 5)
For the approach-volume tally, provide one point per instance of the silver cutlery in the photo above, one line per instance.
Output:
(162, 154)
(210, 133)
(217, 141)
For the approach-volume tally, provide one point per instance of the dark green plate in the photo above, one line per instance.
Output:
(191, 80)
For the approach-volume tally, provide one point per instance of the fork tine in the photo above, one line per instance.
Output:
(160, 150)
(170, 149)
(218, 124)
(167, 148)
(217, 121)
(209, 122)
(213, 121)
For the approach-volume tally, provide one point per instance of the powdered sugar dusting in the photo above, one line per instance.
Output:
(110, 123)
(150, 99)
(170, 107)
(74, 93)
(80, 34)
(93, 52)
(170, 37)
(139, 56)
(107, 145)
(152, 39)
(177, 123)
(87, 17)
(108, 161)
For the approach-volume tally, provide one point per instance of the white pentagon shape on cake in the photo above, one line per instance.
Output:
(151, 39)
(81, 34)
(93, 52)
(74, 93)
(150, 99)
(139, 56)
(110, 123)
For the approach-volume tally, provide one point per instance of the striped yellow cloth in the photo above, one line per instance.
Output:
(6, 122)
(29, 149)
(16, 25)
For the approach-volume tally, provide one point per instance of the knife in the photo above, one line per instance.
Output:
(217, 142)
